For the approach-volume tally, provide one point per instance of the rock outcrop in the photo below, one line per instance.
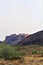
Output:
(14, 39)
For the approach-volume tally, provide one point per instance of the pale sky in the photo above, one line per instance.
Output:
(20, 16)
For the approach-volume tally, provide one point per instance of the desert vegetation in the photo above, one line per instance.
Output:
(7, 52)
(21, 55)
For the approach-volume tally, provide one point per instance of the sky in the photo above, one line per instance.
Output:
(20, 16)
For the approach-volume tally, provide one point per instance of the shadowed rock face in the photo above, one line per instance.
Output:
(14, 39)
(34, 39)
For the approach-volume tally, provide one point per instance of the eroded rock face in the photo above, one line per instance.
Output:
(34, 39)
(14, 39)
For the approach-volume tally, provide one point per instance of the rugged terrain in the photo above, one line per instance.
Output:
(33, 39)
(28, 51)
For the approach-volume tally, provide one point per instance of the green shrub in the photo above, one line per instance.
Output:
(7, 52)
(34, 51)
(14, 55)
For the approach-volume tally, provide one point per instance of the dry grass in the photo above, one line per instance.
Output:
(27, 60)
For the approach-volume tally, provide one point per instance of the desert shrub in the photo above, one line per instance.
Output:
(34, 51)
(7, 52)
(14, 55)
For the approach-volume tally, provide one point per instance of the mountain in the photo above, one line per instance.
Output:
(33, 39)
(14, 39)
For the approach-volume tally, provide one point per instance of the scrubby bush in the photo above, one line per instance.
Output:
(7, 52)
(34, 51)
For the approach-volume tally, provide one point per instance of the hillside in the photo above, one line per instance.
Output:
(33, 39)
(28, 49)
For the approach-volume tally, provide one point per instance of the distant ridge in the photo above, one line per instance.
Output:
(13, 39)
(33, 39)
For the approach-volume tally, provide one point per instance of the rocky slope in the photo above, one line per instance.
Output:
(33, 39)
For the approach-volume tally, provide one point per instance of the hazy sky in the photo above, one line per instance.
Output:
(20, 16)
